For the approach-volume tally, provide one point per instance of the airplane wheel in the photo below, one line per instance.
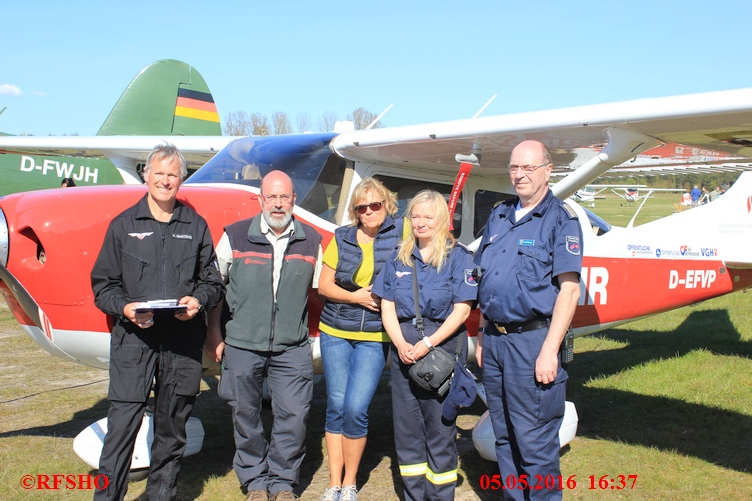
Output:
(138, 475)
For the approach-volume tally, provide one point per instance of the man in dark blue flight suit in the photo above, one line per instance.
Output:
(530, 259)
(157, 249)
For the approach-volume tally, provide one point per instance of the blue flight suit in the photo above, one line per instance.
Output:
(426, 448)
(519, 262)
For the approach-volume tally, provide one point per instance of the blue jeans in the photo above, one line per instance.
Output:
(352, 370)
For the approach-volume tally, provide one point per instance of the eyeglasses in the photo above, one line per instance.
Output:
(270, 199)
(527, 169)
(374, 206)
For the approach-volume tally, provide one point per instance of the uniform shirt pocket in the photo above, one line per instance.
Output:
(533, 263)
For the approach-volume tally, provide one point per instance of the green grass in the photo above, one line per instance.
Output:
(618, 212)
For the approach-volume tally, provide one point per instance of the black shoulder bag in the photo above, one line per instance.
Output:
(434, 371)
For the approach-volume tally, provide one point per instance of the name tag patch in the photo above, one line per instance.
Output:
(527, 242)
(182, 237)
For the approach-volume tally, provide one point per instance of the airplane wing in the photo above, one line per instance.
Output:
(585, 141)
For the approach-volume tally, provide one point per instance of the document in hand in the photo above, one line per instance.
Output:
(161, 306)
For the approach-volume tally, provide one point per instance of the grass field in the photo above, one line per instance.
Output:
(667, 399)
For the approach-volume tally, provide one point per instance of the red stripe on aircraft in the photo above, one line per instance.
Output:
(196, 104)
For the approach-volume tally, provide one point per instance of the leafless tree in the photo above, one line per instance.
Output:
(281, 123)
(260, 124)
(327, 120)
(362, 118)
(238, 123)
(304, 122)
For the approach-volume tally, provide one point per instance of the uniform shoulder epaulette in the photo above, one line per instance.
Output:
(462, 246)
(570, 211)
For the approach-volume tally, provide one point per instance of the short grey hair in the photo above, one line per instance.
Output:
(166, 151)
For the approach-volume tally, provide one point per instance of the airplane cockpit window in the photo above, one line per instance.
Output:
(599, 225)
(316, 171)
(406, 189)
(485, 201)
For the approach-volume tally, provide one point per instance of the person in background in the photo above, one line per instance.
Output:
(425, 442)
(67, 182)
(354, 345)
(695, 193)
(686, 198)
(157, 249)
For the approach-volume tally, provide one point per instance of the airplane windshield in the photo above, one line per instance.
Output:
(315, 170)
(599, 225)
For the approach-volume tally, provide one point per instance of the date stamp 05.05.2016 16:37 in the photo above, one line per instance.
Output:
(551, 482)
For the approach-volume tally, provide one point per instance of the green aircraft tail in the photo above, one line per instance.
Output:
(168, 97)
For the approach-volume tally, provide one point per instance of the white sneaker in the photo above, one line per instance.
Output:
(331, 494)
(348, 493)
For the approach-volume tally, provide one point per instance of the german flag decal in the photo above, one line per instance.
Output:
(195, 104)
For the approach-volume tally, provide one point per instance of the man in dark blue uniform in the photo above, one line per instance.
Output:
(157, 249)
(530, 259)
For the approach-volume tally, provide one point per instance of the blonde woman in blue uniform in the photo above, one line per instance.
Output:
(425, 443)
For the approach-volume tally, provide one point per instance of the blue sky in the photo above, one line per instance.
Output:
(63, 65)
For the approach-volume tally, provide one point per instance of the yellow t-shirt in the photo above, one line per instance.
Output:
(362, 277)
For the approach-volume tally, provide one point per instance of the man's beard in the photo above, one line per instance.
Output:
(276, 223)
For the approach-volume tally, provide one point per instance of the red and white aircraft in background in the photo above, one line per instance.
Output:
(631, 194)
(49, 239)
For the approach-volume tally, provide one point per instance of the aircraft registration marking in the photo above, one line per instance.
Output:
(28, 164)
(693, 279)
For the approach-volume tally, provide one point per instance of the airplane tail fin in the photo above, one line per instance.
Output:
(168, 97)
(724, 225)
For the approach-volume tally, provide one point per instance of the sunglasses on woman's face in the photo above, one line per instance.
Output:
(374, 206)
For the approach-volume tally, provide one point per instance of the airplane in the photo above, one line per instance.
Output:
(50, 239)
(588, 193)
(632, 193)
(166, 99)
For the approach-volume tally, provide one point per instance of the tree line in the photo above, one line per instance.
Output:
(240, 123)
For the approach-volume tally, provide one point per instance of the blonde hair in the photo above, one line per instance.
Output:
(442, 241)
(373, 185)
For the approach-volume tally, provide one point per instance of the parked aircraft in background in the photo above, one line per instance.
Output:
(590, 192)
(167, 98)
(631, 194)
(53, 238)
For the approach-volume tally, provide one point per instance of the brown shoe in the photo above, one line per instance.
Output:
(257, 495)
(284, 496)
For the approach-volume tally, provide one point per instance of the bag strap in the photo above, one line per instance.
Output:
(418, 316)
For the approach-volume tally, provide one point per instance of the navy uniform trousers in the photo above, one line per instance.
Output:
(425, 443)
(526, 415)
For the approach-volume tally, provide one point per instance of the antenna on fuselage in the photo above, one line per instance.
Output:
(375, 121)
(484, 106)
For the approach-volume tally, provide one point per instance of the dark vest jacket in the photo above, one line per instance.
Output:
(259, 321)
(351, 317)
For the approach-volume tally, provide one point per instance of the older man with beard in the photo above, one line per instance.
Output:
(267, 338)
